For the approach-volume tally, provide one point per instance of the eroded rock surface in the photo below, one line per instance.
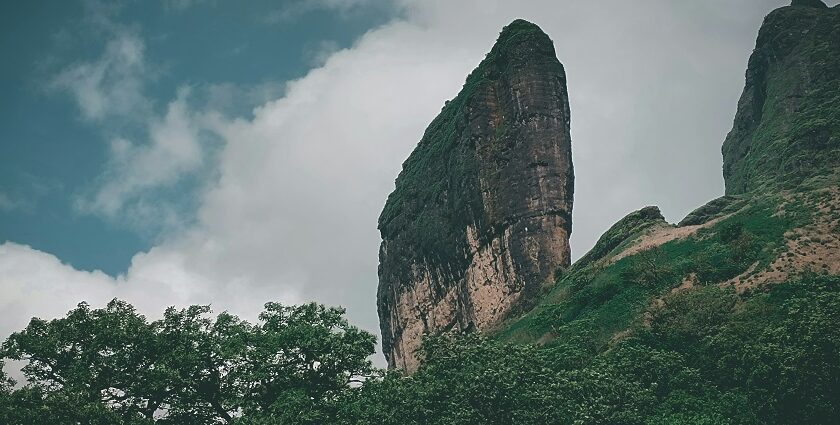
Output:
(481, 214)
(622, 232)
(787, 128)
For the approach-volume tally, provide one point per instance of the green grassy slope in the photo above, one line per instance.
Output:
(734, 319)
(608, 296)
(730, 317)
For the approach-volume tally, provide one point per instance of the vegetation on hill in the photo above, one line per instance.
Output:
(732, 320)
(730, 317)
(709, 356)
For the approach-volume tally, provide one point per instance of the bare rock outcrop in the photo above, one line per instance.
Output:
(787, 127)
(481, 214)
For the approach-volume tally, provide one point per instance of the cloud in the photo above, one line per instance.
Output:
(318, 54)
(291, 210)
(8, 203)
(39, 284)
(293, 9)
(134, 172)
(182, 5)
(151, 153)
(111, 85)
(231, 99)
(24, 197)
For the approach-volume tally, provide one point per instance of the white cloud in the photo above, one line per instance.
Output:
(24, 197)
(318, 54)
(38, 284)
(134, 171)
(164, 148)
(231, 99)
(292, 215)
(182, 5)
(112, 85)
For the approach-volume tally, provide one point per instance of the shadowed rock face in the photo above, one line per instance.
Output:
(787, 128)
(481, 214)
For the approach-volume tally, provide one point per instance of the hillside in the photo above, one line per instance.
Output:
(779, 220)
(729, 316)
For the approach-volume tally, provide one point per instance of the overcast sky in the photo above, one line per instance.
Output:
(214, 152)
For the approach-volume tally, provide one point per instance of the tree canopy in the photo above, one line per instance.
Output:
(709, 356)
(111, 365)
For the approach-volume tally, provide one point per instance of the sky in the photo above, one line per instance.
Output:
(232, 153)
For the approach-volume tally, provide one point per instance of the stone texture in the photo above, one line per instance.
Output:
(809, 3)
(712, 210)
(787, 126)
(621, 232)
(481, 213)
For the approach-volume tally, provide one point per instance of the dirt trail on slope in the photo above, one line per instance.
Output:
(660, 235)
(815, 247)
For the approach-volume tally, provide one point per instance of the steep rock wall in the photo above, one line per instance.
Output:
(787, 127)
(481, 214)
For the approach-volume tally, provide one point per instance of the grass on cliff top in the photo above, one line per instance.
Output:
(597, 304)
(709, 356)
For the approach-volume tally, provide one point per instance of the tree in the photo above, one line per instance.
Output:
(112, 366)
(103, 356)
(303, 358)
(204, 361)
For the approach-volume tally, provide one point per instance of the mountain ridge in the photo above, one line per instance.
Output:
(781, 162)
(787, 126)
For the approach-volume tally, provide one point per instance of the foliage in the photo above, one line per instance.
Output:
(613, 342)
(779, 350)
(709, 356)
(603, 300)
(705, 355)
(111, 365)
(476, 380)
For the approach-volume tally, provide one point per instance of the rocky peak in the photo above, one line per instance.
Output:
(480, 215)
(809, 3)
(787, 126)
(622, 231)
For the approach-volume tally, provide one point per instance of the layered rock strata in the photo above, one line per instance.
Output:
(481, 213)
(787, 127)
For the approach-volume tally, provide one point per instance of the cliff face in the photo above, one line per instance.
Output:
(481, 214)
(732, 313)
(787, 127)
(777, 227)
